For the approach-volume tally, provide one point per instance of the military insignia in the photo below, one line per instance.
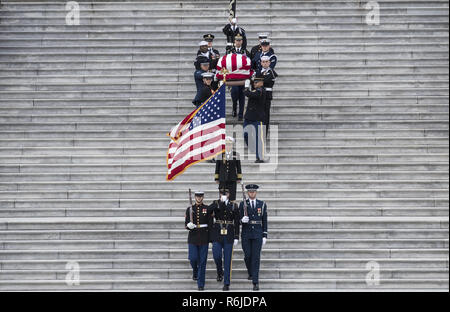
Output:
(259, 211)
(204, 211)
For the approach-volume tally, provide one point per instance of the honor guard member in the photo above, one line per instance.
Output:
(224, 235)
(199, 237)
(237, 92)
(270, 77)
(203, 64)
(238, 46)
(255, 117)
(206, 91)
(228, 169)
(265, 51)
(213, 53)
(254, 232)
(257, 48)
(202, 52)
(231, 30)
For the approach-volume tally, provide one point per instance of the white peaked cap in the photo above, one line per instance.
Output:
(229, 139)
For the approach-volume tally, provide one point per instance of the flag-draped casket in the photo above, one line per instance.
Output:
(237, 67)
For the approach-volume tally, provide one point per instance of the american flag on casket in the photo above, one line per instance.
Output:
(236, 67)
(199, 136)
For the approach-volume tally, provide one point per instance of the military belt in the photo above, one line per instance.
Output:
(255, 222)
(201, 225)
(224, 222)
(268, 89)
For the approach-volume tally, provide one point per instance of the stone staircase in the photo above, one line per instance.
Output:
(362, 117)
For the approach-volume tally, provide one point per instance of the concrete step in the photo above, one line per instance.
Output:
(317, 264)
(241, 285)
(268, 183)
(71, 234)
(197, 177)
(182, 253)
(126, 223)
(239, 272)
(172, 204)
(296, 243)
(158, 134)
(165, 212)
(145, 194)
(202, 168)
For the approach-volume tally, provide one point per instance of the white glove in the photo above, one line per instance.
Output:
(245, 219)
(220, 83)
(223, 198)
(236, 241)
(247, 83)
(264, 241)
(191, 226)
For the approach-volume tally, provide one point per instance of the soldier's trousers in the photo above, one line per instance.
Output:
(254, 137)
(225, 251)
(237, 94)
(252, 256)
(231, 186)
(198, 256)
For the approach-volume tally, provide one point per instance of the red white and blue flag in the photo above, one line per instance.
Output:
(199, 136)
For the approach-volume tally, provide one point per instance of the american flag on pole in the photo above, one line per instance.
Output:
(200, 136)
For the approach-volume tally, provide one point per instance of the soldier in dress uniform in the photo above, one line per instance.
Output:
(254, 232)
(224, 235)
(199, 237)
(203, 52)
(255, 117)
(228, 169)
(237, 92)
(238, 46)
(206, 90)
(213, 53)
(270, 77)
(258, 48)
(265, 51)
(231, 30)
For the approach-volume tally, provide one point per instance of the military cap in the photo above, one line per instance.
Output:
(229, 139)
(265, 42)
(208, 37)
(224, 190)
(203, 60)
(263, 35)
(258, 77)
(203, 43)
(238, 37)
(208, 75)
(199, 193)
(251, 187)
(265, 58)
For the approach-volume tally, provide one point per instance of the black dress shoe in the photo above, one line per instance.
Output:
(255, 287)
(249, 277)
(201, 288)
(226, 288)
(219, 278)
(259, 161)
(240, 118)
(194, 278)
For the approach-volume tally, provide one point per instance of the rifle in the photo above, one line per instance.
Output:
(190, 202)
(245, 200)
